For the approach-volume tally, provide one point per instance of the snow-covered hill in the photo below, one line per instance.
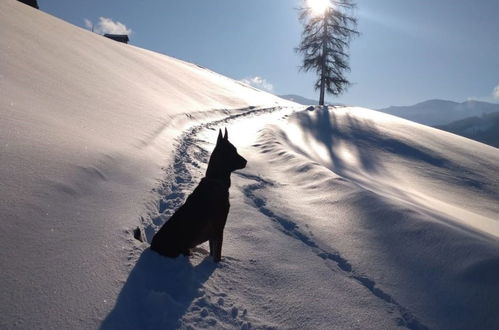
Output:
(441, 112)
(344, 217)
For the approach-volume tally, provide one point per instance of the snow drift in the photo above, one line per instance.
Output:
(450, 177)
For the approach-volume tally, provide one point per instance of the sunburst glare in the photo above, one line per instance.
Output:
(319, 7)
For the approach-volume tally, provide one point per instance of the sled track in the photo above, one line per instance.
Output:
(290, 228)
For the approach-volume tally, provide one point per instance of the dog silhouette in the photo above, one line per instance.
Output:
(204, 214)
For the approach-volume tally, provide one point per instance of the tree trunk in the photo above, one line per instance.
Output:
(323, 66)
(321, 97)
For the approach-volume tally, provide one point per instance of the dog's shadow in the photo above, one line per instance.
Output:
(158, 292)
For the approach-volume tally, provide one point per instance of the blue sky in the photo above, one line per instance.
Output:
(408, 51)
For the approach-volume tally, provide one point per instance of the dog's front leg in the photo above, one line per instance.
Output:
(186, 252)
(212, 248)
(216, 247)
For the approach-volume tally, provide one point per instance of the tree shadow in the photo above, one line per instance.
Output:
(158, 292)
(370, 144)
(364, 137)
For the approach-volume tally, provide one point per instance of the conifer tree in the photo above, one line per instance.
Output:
(325, 41)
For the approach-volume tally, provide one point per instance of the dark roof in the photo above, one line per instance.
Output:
(118, 37)
(32, 3)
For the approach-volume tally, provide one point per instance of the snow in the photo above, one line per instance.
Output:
(344, 217)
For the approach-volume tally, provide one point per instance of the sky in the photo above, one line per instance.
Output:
(408, 51)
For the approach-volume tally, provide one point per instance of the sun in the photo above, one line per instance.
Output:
(319, 7)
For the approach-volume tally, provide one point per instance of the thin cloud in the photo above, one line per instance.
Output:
(259, 82)
(474, 98)
(495, 93)
(88, 23)
(107, 25)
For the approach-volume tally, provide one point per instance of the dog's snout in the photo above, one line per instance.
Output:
(243, 162)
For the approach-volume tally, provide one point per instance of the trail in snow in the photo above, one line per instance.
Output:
(189, 155)
(168, 293)
(292, 229)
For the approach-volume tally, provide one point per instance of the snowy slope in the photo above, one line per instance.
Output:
(86, 125)
(344, 217)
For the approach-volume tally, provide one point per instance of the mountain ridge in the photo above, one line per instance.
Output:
(440, 112)
(483, 129)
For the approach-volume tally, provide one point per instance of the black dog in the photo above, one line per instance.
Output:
(202, 218)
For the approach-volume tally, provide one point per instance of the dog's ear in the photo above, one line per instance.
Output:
(220, 137)
(226, 137)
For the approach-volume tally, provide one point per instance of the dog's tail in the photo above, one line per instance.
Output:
(138, 235)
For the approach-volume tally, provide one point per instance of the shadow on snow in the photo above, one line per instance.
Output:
(158, 292)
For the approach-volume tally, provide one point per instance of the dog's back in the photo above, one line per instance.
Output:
(202, 218)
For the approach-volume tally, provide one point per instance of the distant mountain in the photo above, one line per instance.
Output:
(484, 129)
(299, 99)
(441, 112)
(305, 101)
